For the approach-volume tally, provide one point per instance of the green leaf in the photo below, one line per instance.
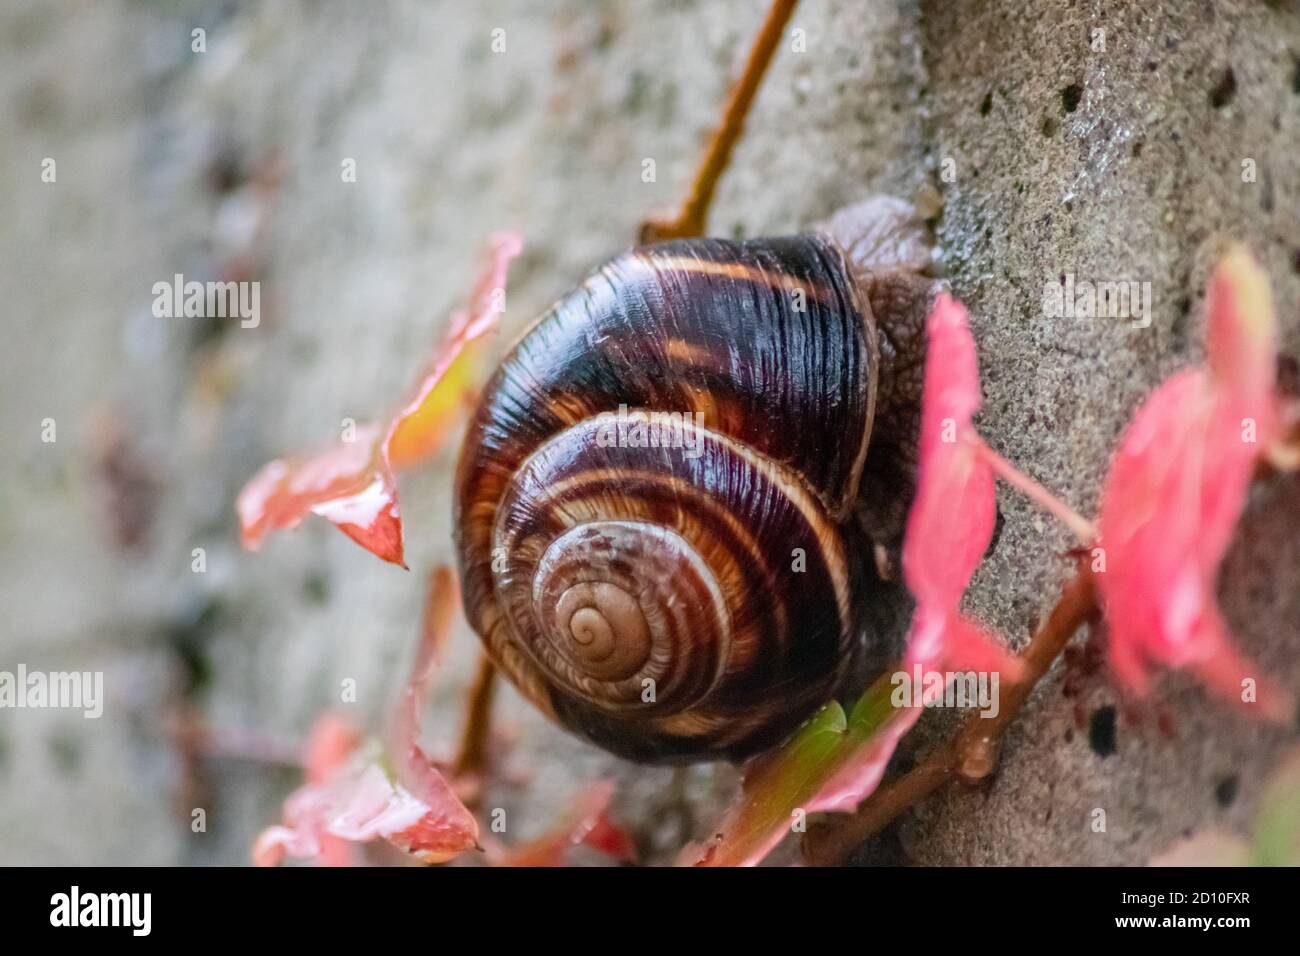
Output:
(779, 785)
(1277, 824)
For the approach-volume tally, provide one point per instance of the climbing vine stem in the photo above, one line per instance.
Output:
(971, 755)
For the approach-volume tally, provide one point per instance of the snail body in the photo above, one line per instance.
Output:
(660, 523)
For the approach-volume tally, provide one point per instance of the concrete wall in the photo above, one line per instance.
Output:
(1125, 163)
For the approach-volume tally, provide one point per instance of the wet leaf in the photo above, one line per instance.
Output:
(353, 485)
(585, 824)
(354, 794)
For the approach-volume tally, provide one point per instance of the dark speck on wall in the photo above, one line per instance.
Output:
(1101, 731)
(316, 587)
(1070, 97)
(1225, 791)
(1224, 90)
(66, 752)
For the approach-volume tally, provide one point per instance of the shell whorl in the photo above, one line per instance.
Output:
(681, 599)
(617, 605)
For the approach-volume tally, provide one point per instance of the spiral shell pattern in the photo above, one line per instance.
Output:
(693, 592)
(608, 598)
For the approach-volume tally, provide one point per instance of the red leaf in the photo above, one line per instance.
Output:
(451, 380)
(350, 796)
(350, 485)
(353, 485)
(586, 823)
(611, 839)
(412, 766)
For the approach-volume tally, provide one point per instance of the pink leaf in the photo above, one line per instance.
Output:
(1176, 487)
(949, 529)
(353, 485)
(860, 774)
(358, 803)
(586, 823)
(951, 521)
(453, 376)
(413, 768)
(834, 762)
(351, 797)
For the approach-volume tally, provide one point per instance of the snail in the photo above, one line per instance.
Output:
(669, 494)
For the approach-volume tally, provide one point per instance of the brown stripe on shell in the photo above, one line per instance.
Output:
(746, 272)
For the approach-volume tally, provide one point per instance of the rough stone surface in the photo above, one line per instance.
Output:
(1125, 163)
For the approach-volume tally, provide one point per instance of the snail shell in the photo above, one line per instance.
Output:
(686, 592)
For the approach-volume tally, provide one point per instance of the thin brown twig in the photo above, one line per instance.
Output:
(472, 757)
(971, 755)
(690, 219)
